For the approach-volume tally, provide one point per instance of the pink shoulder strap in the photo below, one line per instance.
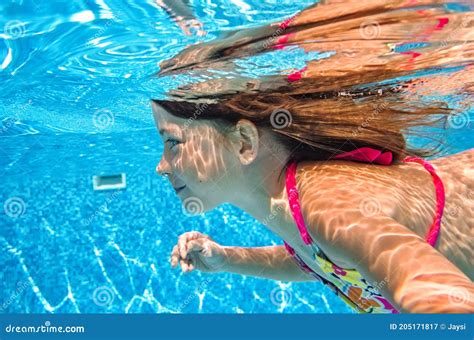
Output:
(294, 202)
(367, 155)
(433, 232)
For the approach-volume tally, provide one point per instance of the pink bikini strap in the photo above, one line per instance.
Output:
(367, 155)
(433, 232)
(294, 201)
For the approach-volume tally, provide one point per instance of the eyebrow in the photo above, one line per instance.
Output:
(162, 131)
(169, 133)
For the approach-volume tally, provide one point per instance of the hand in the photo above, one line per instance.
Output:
(195, 250)
(187, 25)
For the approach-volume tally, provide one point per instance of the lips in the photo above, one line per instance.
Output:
(179, 188)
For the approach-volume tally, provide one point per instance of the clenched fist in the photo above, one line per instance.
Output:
(195, 250)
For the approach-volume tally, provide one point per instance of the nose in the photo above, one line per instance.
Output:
(161, 169)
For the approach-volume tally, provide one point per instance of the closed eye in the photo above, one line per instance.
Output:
(173, 142)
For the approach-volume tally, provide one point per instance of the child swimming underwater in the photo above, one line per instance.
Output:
(357, 208)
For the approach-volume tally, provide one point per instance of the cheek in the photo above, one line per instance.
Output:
(202, 159)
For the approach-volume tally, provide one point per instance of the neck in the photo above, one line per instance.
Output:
(266, 200)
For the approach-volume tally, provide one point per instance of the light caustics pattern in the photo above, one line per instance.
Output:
(76, 80)
(74, 104)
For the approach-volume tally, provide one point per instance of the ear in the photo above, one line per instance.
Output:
(247, 134)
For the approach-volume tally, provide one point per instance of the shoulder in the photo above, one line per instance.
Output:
(340, 199)
(329, 188)
(331, 191)
(337, 198)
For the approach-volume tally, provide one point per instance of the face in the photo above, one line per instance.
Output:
(200, 166)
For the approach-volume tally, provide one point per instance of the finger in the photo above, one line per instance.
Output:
(175, 249)
(193, 235)
(181, 245)
(185, 29)
(184, 265)
(194, 245)
(174, 256)
(184, 239)
(175, 252)
(189, 265)
(192, 261)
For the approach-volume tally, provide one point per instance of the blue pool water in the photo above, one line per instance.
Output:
(73, 106)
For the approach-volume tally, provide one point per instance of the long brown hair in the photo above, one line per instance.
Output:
(357, 97)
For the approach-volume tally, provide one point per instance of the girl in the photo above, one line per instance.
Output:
(319, 155)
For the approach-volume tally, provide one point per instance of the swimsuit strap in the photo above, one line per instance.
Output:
(433, 232)
(294, 202)
(293, 199)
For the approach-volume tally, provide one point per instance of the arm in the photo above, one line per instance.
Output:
(271, 262)
(413, 275)
(195, 250)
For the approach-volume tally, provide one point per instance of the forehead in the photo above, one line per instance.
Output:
(165, 121)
